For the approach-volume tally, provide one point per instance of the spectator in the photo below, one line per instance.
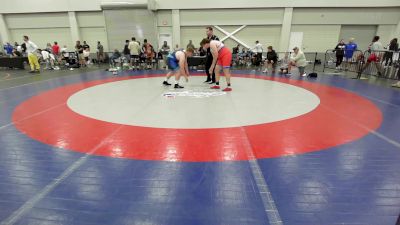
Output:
(376, 49)
(165, 49)
(126, 51)
(235, 50)
(56, 49)
(350, 48)
(258, 50)
(272, 60)
(18, 47)
(31, 49)
(49, 58)
(190, 45)
(65, 54)
(8, 48)
(392, 47)
(85, 46)
(16, 53)
(339, 49)
(100, 52)
(244, 56)
(134, 51)
(176, 48)
(116, 55)
(298, 60)
(23, 49)
(149, 53)
(49, 48)
(79, 50)
(86, 52)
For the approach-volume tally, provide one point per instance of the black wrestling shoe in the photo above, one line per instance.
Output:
(177, 86)
(166, 83)
(207, 81)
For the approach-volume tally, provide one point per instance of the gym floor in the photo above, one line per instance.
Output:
(87, 147)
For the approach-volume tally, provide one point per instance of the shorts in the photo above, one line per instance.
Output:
(172, 64)
(373, 58)
(80, 56)
(348, 55)
(224, 58)
(272, 64)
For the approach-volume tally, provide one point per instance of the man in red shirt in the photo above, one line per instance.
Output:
(56, 49)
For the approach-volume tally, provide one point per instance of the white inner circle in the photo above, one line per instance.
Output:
(145, 102)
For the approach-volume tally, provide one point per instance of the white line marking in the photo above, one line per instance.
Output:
(381, 136)
(33, 115)
(263, 189)
(16, 78)
(16, 215)
(40, 81)
(5, 77)
(19, 213)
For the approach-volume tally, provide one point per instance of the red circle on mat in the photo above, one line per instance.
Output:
(340, 118)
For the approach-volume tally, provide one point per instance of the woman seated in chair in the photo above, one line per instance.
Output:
(114, 57)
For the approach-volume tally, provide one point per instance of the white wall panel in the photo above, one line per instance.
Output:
(196, 34)
(29, 6)
(205, 4)
(42, 36)
(90, 19)
(363, 34)
(386, 33)
(230, 17)
(318, 38)
(93, 34)
(367, 16)
(164, 18)
(267, 35)
(122, 24)
(37, 20)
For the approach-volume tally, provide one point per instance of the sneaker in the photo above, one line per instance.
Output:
(289, 74)
(166, 83)
(227, 89)
(215, 87)
(32, 71)
(177, 86)
(304, 75)
(265, 71)
(207, 81)
(37, 71)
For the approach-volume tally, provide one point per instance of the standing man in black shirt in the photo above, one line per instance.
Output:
(209, 59)
(79, 50)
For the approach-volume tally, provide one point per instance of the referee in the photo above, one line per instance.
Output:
(209, 59)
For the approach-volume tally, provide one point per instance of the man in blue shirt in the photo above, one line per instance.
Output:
(350, 48)
(8, 48)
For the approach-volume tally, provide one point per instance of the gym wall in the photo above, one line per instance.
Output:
(42, 28)
(322, 24)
